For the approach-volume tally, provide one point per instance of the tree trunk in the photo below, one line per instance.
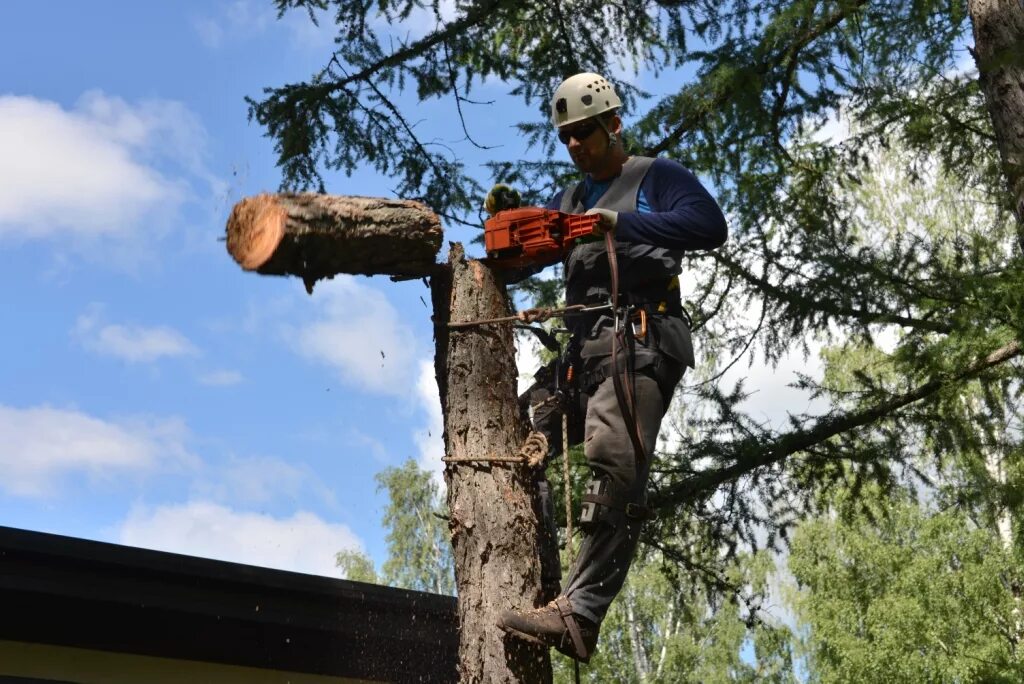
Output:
(494, 527)
(319, 236)
(640, 662)
(999, 54)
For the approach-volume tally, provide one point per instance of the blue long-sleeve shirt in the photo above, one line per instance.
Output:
(674, 210)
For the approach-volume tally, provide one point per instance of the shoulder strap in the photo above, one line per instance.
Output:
(621, 196)
(571, 198)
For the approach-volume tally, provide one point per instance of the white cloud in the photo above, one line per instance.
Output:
(528, 361)
(221, 378)
(964, 67)
(132, 343)
(772, 399)
(210, 32)
(42, 445)
(306, 35)
(835, 130)
(361, 336)
(91, 171)
(371, 446)
(239, 19)
(246, 19)
(302, 543)
(430, 438)
(260, 480)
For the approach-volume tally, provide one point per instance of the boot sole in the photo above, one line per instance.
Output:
(539, 642)
(524, 636)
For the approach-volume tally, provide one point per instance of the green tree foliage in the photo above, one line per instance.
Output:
(820, 248)
(419, 552)
(912, 574)
(907, 595)
(356, 566)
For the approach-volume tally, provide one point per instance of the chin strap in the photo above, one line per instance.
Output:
(612, 138)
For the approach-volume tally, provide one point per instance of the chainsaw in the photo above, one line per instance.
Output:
(526, 236)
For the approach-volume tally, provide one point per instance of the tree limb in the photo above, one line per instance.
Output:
(794, 297)
(480, 12)
(751, 453)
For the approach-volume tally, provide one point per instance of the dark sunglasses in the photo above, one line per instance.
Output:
(581, 132)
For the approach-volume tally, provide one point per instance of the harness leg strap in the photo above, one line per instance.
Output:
(565, 611)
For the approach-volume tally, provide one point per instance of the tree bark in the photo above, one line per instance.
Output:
(999, 54)
(319, 236)
(494, 526)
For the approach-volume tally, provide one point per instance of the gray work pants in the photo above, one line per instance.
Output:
(610, 543)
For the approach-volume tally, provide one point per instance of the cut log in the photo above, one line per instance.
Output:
(495, 529)
(319, 236)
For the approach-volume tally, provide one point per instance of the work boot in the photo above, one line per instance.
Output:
(553, 625)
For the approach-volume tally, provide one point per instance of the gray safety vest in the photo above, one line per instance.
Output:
(644, 270)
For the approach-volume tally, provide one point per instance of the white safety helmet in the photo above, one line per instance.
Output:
(581, 97)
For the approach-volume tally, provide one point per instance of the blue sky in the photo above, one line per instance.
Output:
(151, 393)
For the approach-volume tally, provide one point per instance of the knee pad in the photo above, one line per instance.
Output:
(593, 510)
(601, 505)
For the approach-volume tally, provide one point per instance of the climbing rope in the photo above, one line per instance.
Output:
(531, 453)
(567, 484)
(534, 315)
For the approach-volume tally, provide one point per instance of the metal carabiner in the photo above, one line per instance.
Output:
(642, 316)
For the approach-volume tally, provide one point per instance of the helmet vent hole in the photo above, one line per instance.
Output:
(587, 99)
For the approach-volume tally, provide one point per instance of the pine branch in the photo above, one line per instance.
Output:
(723, 96)
(752, 453)
(480, 12)
(824, 306)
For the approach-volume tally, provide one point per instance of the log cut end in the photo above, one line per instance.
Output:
(316, 236)
(255, 228)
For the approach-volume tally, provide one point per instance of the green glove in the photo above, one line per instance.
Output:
(500, 198)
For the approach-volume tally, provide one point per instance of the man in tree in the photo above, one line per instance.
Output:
(627, 360)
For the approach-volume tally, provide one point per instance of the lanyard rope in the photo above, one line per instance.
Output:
(535, 315)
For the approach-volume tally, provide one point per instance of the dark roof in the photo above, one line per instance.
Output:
(74, 592)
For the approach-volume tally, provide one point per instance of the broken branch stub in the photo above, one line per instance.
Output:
(317, 236)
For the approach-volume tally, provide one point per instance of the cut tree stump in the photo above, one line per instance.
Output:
(315, 236)
(495, 528)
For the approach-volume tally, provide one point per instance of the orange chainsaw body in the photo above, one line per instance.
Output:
(533, 235)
